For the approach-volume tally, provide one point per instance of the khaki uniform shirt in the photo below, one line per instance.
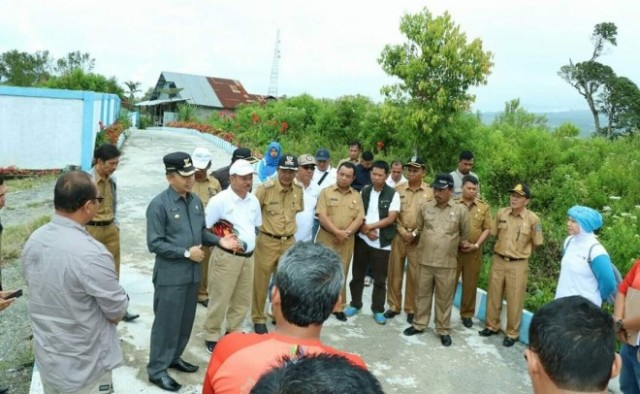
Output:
(516, 234)
(206, 189)
(341, 208)
(479, 218)
(105, 211)
(279, 207)
(410, 203)
(441, 232)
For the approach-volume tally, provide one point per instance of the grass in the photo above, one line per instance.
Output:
(15, 236)
(28, 183)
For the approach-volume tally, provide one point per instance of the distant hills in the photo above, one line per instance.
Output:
(581, 119)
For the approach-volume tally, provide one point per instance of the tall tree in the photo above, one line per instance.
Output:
(620, 102)
(23, 68)
(134, 87)
(75, 61)
(436, 67)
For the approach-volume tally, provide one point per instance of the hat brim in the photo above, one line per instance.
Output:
(415, 165)
(243, 173)
(187, 171)
(201, 165)
(520, 192)
(288, 168)
(322, 158)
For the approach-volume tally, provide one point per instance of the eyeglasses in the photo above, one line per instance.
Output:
(309, 167)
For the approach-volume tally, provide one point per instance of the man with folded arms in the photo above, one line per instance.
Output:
(231, 271)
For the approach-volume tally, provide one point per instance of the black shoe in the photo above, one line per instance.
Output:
(487, 332)
(204, 303)
(128, 317)
(273, 322)
(260, 328)
(184, 366)
(210, 345)
(390, 314)
(340, 316)
(412, 331)
(4, 390)
(410, 318)
(467, 322)
(166, 382)
(508, 342)
(445, 340)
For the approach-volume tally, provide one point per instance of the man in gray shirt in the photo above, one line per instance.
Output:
(175, 233)
(75, 300)
(465, 165)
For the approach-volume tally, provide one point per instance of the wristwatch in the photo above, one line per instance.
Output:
(620, 324)
(187, 254)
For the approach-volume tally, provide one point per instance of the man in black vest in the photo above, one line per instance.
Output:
(373, 243)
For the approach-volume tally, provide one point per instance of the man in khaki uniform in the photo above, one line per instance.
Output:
(517, 231)
(412, 195)
(443, 227)
(280, 200)
(470, 259)
(205, 187)
(341, 212)
(103, 226)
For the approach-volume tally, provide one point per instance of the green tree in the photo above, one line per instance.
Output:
(23, 68)
(79, 80)
(620, 102)
(75, 60)
(436, 67)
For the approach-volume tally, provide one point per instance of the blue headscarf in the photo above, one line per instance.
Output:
(269, 164)
(587, 218)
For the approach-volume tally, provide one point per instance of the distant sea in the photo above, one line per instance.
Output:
(581, 119)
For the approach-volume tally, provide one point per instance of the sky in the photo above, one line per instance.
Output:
(328, 48)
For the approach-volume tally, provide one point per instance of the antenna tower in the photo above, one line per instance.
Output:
(273, 81)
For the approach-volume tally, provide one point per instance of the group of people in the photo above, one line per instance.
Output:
(219, 243)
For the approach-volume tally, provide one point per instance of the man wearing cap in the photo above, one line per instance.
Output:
(341, 211)
(443, 227)
(412, 194)
(231, 271)
(280, 200)
(470, 259)
(222, 174)
(396, 177)
(304, 219)
(517, 231)
(323, 176)
(205, 187)
(175, 233)
(465, 165)
(103, 227)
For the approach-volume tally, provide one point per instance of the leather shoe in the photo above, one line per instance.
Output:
(487, 332)
(340, 316)
(389, 314)
(204, 303)
(210, 345)
(128, 317)
(445, 340)
(467, 322)
(412, 331)
(166, 382)
(260, 328)
(508, 342)
(184, 366)
(410, 318)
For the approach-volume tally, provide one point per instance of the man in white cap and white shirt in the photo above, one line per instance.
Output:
(231, 271)
(304, 219)
(205, 187)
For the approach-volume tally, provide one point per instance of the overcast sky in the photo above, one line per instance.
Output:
(328, 48)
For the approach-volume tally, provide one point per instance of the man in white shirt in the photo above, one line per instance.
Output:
(304, 219)
(395, 177)
(465, 165)
(231, 271)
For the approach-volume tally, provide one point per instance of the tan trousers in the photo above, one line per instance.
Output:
(203, 294)
(230, 285)
(442, 283)
(399, 252)
(508, 279)
(469, 268)
(345, 251)
(109, 236)
(267, 253)
(102, 385)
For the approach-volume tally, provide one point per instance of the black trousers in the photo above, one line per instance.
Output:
(364, 256)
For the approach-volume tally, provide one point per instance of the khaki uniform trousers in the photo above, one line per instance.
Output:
(203, 293)
(441, 282)
(508, 279)
(345, 251)
(102, 385)
(109, 236)
(230, 285)
(267, 253)
(469, 268)
(399, 252)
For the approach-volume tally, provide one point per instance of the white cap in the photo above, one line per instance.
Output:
(241, 167)
(201, 158)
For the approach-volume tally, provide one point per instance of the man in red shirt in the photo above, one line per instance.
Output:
(307, 289)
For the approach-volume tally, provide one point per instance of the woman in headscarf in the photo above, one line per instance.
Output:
(269, 163)
(586, 268)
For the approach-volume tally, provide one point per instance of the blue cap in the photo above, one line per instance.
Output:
(322, 154)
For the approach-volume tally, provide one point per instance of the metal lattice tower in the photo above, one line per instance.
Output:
(273, 81)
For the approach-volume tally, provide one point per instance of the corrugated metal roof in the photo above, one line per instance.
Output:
(160, 101)
(196, 88)
(231, 92)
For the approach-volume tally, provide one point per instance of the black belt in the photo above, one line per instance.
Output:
(102, 223)
(280, 237)
(236, 253)
(507, 258)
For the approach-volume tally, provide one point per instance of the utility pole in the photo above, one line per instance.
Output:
(273, 81)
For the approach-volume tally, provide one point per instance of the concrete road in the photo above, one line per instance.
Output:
(403, 364)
